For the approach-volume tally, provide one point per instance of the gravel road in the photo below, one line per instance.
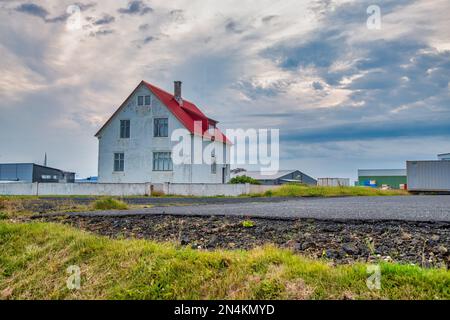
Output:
(411, 208)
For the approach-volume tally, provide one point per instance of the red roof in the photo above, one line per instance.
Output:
(187, 113)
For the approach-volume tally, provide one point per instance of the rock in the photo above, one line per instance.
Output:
(442, 250)
(406, 236)
(184, 240)
(213, 241)
(350, 248)
(435, 237)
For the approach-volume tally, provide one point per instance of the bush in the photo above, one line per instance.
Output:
(243, 179)
(248, 224)
(110, 204)
(3, 216)
(157, 194)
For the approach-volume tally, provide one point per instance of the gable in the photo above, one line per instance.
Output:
(187, 113)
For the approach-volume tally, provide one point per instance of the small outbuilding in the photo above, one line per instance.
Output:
(31, 172)
(281, 177)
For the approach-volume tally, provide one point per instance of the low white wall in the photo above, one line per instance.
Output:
(205, 190)
(131, 189)
(18, 188)
(82, 189)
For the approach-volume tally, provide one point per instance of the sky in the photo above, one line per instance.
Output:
(345, 96)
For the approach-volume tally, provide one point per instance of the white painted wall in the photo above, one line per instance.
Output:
(130, 189)
(139, 148)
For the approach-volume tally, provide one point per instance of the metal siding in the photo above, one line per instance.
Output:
(382, 172)
(428, 175)
(16, 172)
(333, 182)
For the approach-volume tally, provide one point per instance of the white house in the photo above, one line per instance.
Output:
(135, 144)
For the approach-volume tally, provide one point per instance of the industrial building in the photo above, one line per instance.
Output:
(333, 182)
(429, 176)
(379, 178)
(281, 177)
(31, 172)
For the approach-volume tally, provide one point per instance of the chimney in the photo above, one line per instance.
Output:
(177, 92)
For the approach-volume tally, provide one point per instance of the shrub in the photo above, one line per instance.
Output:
(157, 194)
(243, 179)
(110, 204)
(248, 224)
(3, 216)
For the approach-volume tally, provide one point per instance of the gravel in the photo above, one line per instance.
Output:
(406, 208)
(422, 243)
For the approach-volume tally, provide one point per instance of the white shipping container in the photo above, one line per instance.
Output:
(428, 175)
(333, 182)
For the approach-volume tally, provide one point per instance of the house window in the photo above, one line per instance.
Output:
(161, 127)
(46, 177)
(162, 161)
(124, 129)
(119, 162)
(144, 100)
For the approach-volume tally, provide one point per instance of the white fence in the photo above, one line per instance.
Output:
(69, 189)
(130, 189)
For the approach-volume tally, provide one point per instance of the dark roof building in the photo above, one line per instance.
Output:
(281, 177)
(31, 172)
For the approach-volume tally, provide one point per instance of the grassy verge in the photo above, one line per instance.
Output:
(309, 191)
(35, 258)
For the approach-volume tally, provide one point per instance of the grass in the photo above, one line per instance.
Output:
(248, 224)
(109, 204)
(35, 257)
(292, 190)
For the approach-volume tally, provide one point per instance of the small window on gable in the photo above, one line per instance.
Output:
(148, 100)
(140, 100)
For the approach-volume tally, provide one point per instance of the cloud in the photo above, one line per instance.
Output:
(33, 9)
(340, 94)
(40, 12)
(233, 27)
(136, 7)
(105, 19)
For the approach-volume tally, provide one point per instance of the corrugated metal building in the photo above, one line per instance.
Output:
(333, 182)
(433, 175)
(30, 172)
(281, 177)
(377, 178)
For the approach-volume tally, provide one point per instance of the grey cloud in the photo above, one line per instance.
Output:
(40, 12)
(233, 27)
(106, 19)
(136, 7)
(33, 9)
(269, 19)
(317, 85)
(144, 27)
(101, 33)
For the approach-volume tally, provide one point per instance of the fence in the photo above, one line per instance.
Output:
(130, 189)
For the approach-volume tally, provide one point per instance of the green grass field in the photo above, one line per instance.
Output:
(292, 190)
(35, 257)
